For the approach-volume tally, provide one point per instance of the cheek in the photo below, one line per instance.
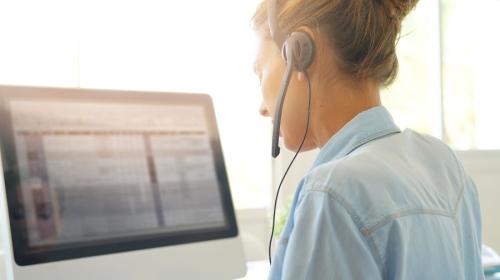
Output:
(269, 88)
(295, 111)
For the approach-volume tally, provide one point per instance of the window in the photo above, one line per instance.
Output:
(448, 55)
(414, 98)
(447, 51)
(470, 73)
(184, 46)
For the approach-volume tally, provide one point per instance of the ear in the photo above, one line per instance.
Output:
(301, 76)
(324, 56)
(312, 37)
(299, 48)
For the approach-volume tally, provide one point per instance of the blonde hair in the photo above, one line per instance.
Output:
(362, 33)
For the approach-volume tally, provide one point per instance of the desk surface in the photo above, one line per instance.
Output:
(256, 270)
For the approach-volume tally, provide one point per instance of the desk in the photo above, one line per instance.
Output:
(2, 265)
(493, 277)
(257, 271)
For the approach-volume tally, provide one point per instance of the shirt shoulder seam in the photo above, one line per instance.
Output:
(367, 232)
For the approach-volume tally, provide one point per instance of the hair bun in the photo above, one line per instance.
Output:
(398, 9)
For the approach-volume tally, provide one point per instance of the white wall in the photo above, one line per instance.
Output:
(253, 225)
(484, 167)
(302, 164)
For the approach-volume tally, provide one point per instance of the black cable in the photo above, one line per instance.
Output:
(293, 159)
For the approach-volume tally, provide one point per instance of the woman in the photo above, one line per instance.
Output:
(378, 203)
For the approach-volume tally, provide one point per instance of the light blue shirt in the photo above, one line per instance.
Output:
(379, 203)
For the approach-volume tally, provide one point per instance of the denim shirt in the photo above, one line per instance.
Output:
(380, 203)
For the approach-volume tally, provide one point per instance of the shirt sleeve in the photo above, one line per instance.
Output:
(326, 243)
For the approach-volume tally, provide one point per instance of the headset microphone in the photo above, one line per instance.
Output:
(298, 51)
(279, 106)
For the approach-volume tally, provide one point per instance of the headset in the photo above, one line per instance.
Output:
(297, 50)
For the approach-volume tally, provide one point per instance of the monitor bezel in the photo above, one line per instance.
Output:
(23, 255)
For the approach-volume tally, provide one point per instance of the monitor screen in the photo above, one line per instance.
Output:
(97, 174)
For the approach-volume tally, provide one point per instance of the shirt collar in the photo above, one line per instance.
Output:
(367, 126)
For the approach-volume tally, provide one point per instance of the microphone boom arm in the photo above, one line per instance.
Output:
(279, 106)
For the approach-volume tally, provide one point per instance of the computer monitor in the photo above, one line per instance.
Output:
(101, 184)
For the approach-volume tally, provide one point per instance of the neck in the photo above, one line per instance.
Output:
(334, 106)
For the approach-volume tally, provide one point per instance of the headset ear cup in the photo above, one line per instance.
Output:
(301, 46)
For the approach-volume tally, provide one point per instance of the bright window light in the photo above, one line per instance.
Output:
(182, 46)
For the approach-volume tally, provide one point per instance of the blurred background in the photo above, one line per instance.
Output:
(446, 87)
